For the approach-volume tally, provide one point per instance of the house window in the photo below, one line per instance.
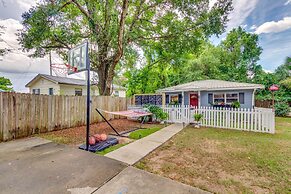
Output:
(174, 98)
(219, 98)
(36, 91)
(231, 97)
(51, 91)
(78, 92)
(225, 98)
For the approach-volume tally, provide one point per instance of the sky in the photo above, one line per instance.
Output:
(270, 19)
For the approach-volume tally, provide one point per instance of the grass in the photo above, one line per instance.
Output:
(143, 132)
(227, 161)
(110, 149)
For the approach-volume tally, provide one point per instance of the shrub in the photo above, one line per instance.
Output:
(281, 109)
(157, 111)
(198, 117)
(235, 104)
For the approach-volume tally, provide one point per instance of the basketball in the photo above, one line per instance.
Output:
(97, 137)
(103, 137)
(92, 140)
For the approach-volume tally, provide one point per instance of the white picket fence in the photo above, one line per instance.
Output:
(257, 120)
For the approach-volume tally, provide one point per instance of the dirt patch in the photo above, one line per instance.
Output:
(76, 135)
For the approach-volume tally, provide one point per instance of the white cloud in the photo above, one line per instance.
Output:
(287, 2)
(14, 8)
(242, 9)
(211, 3)
(268, 71)
(253, 27)
(273, 26)
(18, 61)
(26, 4)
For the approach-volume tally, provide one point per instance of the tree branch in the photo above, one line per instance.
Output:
(94, 26)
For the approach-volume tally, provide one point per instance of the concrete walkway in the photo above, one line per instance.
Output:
(133, 152)
(133, 181)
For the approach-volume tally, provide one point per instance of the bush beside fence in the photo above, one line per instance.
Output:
(22, 115)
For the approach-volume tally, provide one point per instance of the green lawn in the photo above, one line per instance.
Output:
(110, 149)
(227, 161)
(141, 133)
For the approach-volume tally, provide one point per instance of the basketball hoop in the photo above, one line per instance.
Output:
(62, 70)
(71, 68)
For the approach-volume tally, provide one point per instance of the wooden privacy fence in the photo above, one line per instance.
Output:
(257, 120)
(22, 115)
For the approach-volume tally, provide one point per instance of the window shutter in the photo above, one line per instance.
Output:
(167, 99)
(180, 98)
(242, 98)
(210, 98)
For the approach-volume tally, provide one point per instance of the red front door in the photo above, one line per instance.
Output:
(193, 99)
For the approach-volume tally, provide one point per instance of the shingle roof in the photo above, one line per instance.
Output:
(211, 85)
(66, 80)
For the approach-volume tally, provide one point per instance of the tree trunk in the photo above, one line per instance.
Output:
(105, 79)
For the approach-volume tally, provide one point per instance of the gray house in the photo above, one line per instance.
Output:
(217, 93)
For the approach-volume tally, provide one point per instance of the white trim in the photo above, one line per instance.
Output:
(183, 100)
(199, 103)
(253, 99)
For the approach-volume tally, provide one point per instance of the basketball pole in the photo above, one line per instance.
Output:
(88, 100)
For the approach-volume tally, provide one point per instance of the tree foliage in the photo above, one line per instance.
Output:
(234, 59)
(5, 84)
(115, 28)
(244, 51)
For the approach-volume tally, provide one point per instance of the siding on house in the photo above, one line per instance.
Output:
(70, 90)
(65, 89)
(248, 97)
(122, 93)
(44, 85)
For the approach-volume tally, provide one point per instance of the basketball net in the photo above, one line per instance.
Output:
(62, 70)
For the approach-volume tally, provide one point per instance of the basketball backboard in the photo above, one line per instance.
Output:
(78, 58)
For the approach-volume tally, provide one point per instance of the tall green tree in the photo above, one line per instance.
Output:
(244, 51)
(5, 84)
(284, 71)
(115, 27)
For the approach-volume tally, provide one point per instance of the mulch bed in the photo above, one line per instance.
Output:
(76, 135)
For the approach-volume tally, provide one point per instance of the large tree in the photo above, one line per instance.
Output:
(244, 51)
(284, 71)
(116, 27)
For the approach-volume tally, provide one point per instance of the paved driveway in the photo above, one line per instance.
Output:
(35, 165)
